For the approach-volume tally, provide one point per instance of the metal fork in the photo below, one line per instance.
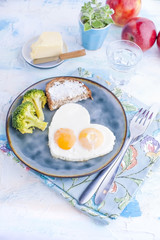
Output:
(138, 125)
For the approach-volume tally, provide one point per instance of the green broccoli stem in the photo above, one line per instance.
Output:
(41, 125)
(33, 121)
(38, 107)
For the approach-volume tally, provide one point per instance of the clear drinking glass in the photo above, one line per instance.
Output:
(123, 56)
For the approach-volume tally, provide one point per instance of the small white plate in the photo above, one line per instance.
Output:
(26, 55)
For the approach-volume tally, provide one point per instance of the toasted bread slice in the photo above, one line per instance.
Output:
(63, 90)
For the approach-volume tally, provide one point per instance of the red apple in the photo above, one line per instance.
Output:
(124, 10)
(140, 30)
(158, 40)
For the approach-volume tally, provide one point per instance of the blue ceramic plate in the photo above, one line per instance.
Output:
(33, 150)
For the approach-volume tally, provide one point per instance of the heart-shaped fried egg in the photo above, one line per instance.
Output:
(72, 137)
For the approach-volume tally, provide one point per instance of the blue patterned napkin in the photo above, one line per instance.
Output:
(135, 166)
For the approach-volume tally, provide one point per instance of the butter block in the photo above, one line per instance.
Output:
(49, 44)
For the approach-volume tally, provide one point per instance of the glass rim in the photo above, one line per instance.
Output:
(132, 44)
(125, 41)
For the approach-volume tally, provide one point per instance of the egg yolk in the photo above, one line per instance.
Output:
(65, 138)
(90, 138)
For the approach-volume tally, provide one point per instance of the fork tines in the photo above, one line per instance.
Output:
(144, 115)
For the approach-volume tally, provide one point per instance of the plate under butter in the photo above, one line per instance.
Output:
(26, 50)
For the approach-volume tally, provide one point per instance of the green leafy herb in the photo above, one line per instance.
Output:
(94, 15)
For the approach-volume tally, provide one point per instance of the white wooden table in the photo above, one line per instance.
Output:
(29, 209)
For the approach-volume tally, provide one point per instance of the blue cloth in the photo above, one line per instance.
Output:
(136, 164)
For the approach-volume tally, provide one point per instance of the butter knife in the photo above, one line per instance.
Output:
(63, 56)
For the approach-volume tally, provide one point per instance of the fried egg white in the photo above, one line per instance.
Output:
(72, 137)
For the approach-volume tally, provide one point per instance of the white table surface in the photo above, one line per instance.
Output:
(29, 209)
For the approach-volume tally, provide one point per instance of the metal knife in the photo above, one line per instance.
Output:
(96, 183)
(107, 182)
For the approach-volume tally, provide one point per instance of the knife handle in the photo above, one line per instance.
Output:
(106, 184)
(74, 54)
(111, 174)
(92, 187)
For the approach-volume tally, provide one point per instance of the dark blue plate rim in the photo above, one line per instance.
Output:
(55, 175)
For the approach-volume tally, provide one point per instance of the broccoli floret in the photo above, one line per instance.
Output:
(38, 98)
(25, 120)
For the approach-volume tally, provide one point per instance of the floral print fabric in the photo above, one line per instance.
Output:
(136, 163)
